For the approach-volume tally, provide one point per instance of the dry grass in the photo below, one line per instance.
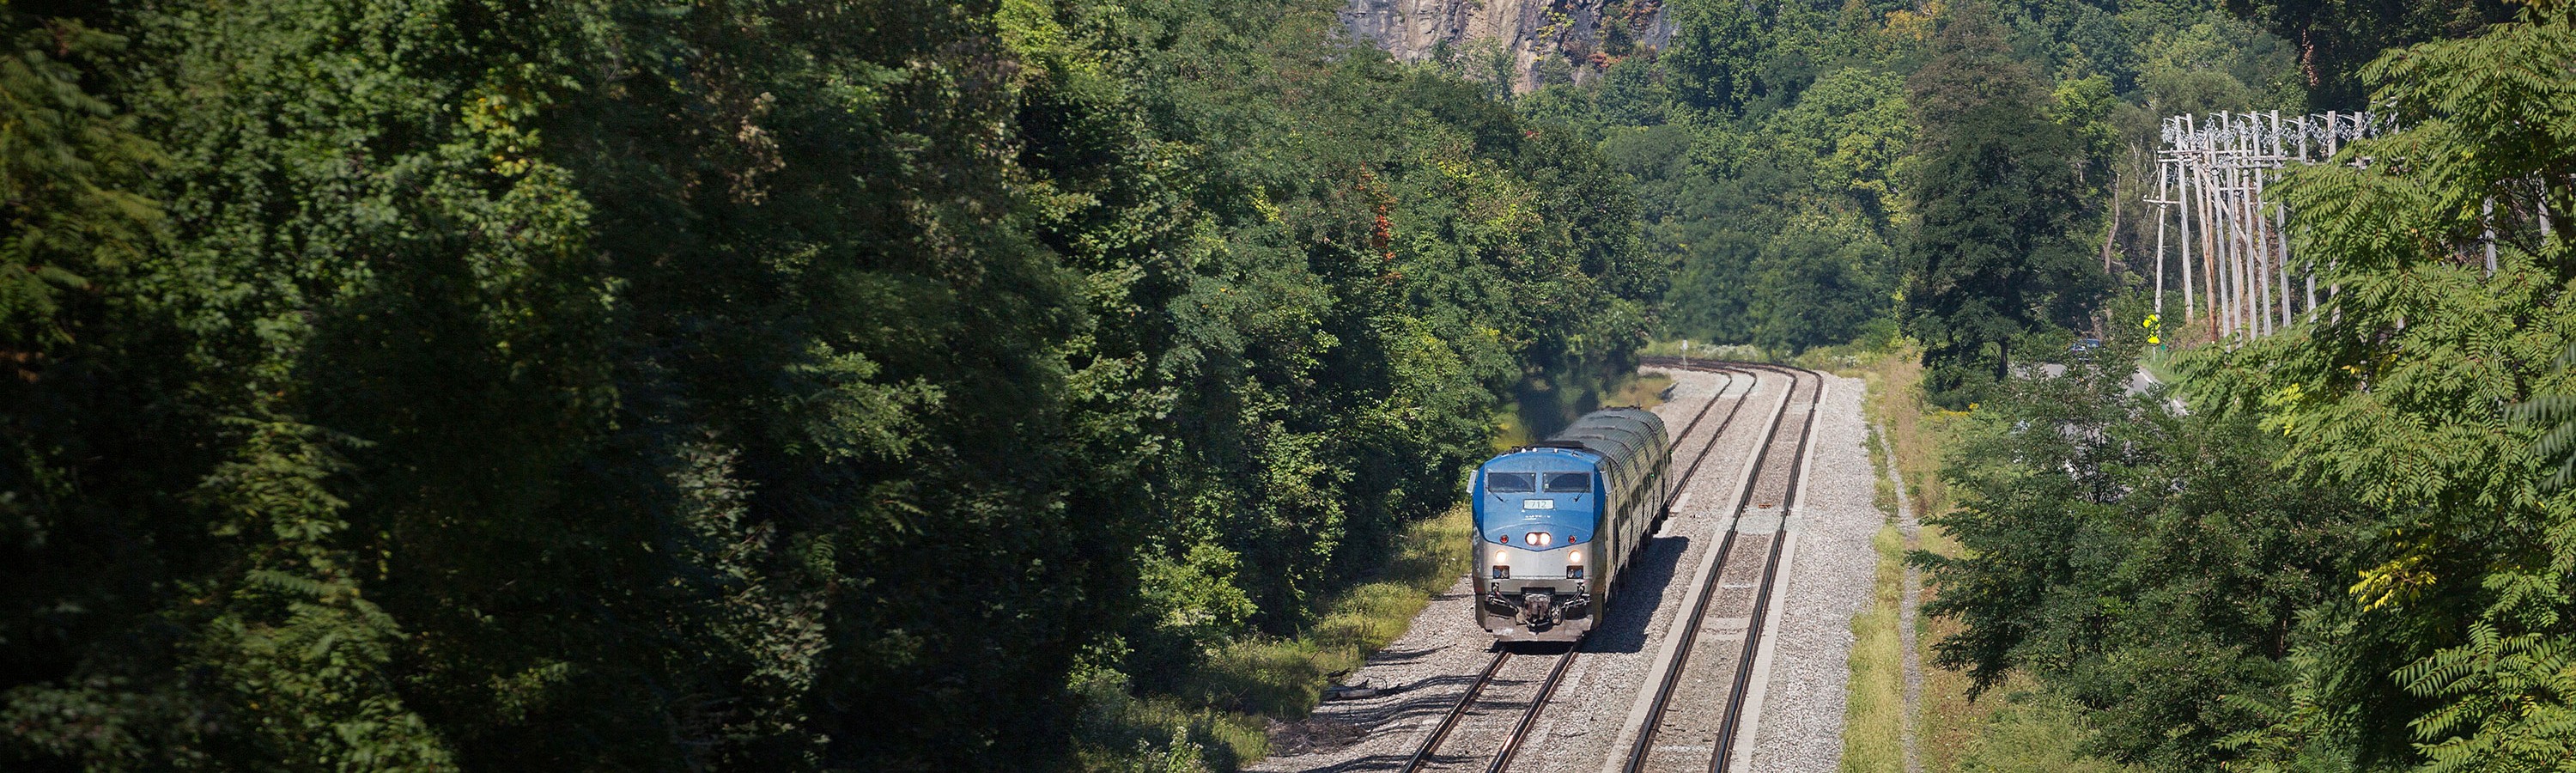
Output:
(1947, 721)
(1950, 721)
(1913, 428)
(2011, 729)
(1874, 720)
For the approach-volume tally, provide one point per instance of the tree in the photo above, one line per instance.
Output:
(1993, 255)
(2336, 38)
(1713, 63)
(2145, 564)
(422, 384)
(1822, 281)
(2397, 391)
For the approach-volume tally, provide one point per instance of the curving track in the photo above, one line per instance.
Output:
(1486, 728)
(1697, 707)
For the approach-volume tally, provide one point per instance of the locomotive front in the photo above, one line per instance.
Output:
(1538, 514)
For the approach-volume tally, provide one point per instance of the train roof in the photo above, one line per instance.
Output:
(1620, 434)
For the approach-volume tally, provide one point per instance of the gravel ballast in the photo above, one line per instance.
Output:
(1829, 582)
(1413, 682)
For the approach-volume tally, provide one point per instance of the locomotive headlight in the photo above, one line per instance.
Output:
(1498, 556)
(1575, 557)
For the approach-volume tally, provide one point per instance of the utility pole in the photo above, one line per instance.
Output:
(2212, 177)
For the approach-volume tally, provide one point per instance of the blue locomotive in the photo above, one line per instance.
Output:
(1557, 521)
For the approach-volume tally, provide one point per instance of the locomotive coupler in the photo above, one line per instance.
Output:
(1539, 608)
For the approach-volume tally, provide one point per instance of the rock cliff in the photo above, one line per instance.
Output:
(1545, 40)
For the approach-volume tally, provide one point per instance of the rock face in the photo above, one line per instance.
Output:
(1546, 40)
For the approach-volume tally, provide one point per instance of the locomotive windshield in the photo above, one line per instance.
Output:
(1569, 483)
(1511, 482)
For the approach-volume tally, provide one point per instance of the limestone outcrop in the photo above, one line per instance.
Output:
(1545, 40)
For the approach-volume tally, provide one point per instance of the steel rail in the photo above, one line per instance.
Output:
(1644, 747)
(1698, 616)
(1450, 721)
(1722, 424)
(1734, 715)
(1519, 729)
(1547, 688)
(1702, 413)
(1674, 486)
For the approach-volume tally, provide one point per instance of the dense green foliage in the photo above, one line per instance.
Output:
(424, 384)
(1820, 172)
(432, 384)
(2398, 395)
(1994, 255)
(2350, 553)
(2336, 38)
(1764, 143)
(2149, 565)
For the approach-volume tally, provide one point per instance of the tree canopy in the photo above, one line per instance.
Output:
(423, 384)
(2347, 550)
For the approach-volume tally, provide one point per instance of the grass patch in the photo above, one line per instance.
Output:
(1874, 720)
(1644, 390)
(1914, 428)
(1218, 719)
(1160, 733)
(1950, 721)
(2158, 363)
(1953, 732)
(2032, 734)
(2014, 728)
(1284, 677)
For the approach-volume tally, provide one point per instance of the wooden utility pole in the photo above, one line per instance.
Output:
(2211, 175)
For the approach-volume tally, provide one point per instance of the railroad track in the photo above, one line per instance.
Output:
(1697, 707)
(1753, 381)
(1492, 719)
(1496, 714)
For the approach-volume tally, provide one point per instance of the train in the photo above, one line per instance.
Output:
(1556, 522)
